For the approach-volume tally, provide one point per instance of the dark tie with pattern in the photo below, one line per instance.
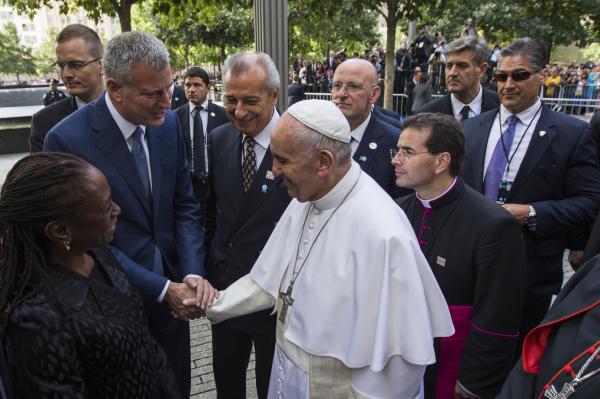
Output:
(464, 113)
(141, 164)
(497, 165)
(249, 163)
(139, 156)
(198, 167)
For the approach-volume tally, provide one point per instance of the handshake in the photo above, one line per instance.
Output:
(188, 300)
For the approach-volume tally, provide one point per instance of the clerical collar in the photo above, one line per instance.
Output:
(475, 105)
(358, 133)
(525, 116)
(444, 198)
(339, 191)
(264, 137)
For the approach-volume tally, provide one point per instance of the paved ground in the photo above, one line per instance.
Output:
(203, 386)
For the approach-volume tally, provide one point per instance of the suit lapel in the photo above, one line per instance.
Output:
(448, 105)
(536, 149)
(259, 191)
(479, 138)
(184, 118)
(110, 141)
(211, 118)
(154, 137)
(369, 145)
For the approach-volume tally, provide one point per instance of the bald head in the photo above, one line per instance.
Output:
(359, 66)
(355, 90)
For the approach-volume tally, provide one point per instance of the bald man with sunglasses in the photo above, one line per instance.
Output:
(538, 164)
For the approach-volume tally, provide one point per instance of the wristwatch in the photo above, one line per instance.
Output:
(531, 220)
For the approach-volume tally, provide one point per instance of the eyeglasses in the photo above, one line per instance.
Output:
(405, 155)
(74, 65)
(350, 87)
(517, 76)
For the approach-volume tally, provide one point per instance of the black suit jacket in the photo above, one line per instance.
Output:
(389, 117)
(443, 105)
(238, 224)
(559, 177)
(217, 116)
(45, 119)
(373, 155)
(475, 250)
(178, 98)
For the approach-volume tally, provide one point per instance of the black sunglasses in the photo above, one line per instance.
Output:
(517, 76)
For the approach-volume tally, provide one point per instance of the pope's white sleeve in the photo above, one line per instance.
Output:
(240, 298)
(399, 379)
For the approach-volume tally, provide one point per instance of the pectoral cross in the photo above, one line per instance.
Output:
(567, 390)
(287, 300)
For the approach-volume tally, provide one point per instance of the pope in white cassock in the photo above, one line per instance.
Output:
(358, 307)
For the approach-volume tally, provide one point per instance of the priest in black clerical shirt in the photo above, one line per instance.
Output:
(475, 250)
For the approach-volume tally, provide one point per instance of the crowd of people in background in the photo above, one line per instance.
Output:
(424, 60)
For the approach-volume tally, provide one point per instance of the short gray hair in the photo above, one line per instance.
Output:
(315, 141)
(129, 49)
(241, 62)
(532, 49)
(478, 47)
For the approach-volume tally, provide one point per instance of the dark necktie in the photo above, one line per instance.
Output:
(198, 167)
(249, 163)
(464, 113)
(141, 164)
(497, 165)
(139, 156)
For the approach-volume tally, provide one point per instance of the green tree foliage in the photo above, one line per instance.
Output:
(204, 33)
(94, 9)
(393, 11)
(316, 26)
(45, 55)
(554, 22)
(15, 59)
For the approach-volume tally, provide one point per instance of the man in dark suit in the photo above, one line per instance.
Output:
(476, 253)
(198, 117)
(130, 134)
(79, 61)
(539, 164)
(354, 91)
(295, 90)
(179, 97)
(402, 59)
(54, 95)
(330, 61)
(244, 204)
(389, 117)
(466, 64)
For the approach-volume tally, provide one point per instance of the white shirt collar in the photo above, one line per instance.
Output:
(358, 133)
(127, 128)
(427, 202)
(80, 103)
(264, 137)
(525, 116)
(475, 105)
(204, 106)
(340, 190)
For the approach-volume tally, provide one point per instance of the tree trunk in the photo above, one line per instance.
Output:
(124, 12)
(390, 43)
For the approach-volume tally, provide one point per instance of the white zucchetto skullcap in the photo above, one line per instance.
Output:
(322, 116)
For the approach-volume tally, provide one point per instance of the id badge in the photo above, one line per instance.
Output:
(505, 186)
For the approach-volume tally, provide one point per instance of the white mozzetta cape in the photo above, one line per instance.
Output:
(366, 292)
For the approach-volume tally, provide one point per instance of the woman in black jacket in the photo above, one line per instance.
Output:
(73, 324)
